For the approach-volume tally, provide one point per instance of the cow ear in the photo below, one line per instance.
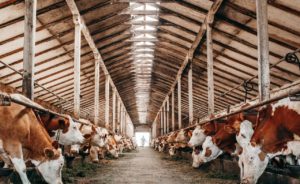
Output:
(61, 124)
(49, 153)
(93, 128)
(262, 156)
(87, 136)
(55, 144)
(229, 129)
(190, 133)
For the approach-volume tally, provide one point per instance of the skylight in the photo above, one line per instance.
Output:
(144, 21)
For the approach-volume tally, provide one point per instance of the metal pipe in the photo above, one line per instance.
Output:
(37, 108)
(37, 84)
(294, 90)
(248, 80)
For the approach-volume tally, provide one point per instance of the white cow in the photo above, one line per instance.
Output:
(95, 136)
(277, 133)
(71, 136)
(198, 137)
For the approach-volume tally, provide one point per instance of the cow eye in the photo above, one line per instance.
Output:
(243, 136)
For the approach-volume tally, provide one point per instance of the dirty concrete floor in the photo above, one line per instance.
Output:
(147, 166)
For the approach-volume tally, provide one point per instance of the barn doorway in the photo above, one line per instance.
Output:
(139, 136)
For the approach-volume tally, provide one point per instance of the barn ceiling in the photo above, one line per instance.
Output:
(143, 46)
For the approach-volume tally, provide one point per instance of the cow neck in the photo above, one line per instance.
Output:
(40, 120)
(267, 137)
(37, 132)
(46, 123)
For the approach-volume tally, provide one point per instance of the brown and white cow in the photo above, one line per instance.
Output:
(202, 131)
(94, 136)
(24, 138)
(172, 144)
(276, 133)
(225, 139)
(62, 128)
(112, 146)
(183, 137)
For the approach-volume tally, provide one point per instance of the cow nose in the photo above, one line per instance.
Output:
(246, 181)
(190, 145)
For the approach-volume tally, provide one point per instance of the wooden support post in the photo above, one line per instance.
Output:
(179, 102)
(77, 49)
(173, 111)
(107, 101)
(119, 115)
(29, 48)
(210, 71)
(114, 110)
(154, 129)
(125, 123)
(167, 112)
(263, 50)
(165, 118)
(121, 120)
(97, 84)
(200, 35)
(161, 124)
(190, 91)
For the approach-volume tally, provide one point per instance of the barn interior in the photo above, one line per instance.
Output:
(153, 66)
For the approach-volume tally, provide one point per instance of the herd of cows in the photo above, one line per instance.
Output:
(255, 137)
(29, 137)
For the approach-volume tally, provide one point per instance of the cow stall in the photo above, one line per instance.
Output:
(210, 84)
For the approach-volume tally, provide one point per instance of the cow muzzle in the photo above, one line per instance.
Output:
(248, 181)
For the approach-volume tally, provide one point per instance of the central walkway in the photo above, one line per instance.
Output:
(147, 166)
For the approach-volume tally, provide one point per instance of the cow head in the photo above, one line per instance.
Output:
(253, 162)
(99, 138)
(210, 150)
(118, 138)
(162, 144)
(112, 146)
(51, 168)
(70, 134)
(196, 157)
(171, 138)
(172, 150)
(94, 154)
(245, 133)
(183, 136)
(74, 150)
(198, 137)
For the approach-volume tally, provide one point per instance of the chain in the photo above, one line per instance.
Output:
(248, 86)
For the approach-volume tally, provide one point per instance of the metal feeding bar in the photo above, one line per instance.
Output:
(49, 91)
(291, 90)
(35, 83)
(292, 57)
(12, 99)
(288, 56)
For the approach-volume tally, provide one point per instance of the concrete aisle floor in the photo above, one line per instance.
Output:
(147, 166)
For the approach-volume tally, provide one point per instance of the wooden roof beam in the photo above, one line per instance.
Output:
(209, 18)
(75, 12)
